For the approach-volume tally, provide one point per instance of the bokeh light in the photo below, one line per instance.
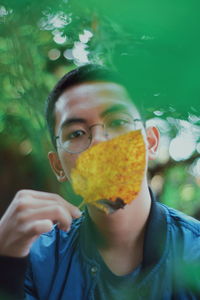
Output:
(182, 146)
(54, 54)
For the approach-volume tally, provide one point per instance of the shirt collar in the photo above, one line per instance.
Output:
(155, 235)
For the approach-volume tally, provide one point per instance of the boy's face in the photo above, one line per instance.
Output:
(83, 106)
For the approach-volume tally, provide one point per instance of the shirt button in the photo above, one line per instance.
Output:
(94, 270)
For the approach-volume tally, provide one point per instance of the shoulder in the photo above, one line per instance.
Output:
(184, 230)
(179, 219)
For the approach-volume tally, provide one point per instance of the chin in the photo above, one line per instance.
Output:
(108, 207)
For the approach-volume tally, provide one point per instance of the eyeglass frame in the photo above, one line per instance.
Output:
(90, 136)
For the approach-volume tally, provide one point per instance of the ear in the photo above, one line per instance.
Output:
(56, 166)
(153, 138)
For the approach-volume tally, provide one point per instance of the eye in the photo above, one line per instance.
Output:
(75, 134)
(119, 123)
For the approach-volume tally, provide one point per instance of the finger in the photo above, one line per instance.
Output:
(54, 213)
(33, 203)
(37, 195)
(74, 211)
(26, 195)
(36, 228)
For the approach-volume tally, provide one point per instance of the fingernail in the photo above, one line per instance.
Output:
(77, 214)
(66, 229)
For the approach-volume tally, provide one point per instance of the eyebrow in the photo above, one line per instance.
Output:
(114, 108)
(70, 121)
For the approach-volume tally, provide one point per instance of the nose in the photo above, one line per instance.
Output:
(98, 134)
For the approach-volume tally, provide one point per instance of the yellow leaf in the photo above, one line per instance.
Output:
(112, 170)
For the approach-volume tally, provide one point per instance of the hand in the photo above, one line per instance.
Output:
(30, 214)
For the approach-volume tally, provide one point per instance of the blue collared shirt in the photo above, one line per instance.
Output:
(62, 265)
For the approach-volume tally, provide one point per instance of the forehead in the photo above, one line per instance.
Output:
(89, 99)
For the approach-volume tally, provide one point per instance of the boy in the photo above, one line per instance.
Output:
(139, 250)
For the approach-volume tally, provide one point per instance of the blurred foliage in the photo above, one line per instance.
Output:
(181, 191)
(153, 44)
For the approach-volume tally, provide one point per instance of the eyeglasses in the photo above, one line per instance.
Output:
(76, 138)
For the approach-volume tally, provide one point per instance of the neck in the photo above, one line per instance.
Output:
(125, 227)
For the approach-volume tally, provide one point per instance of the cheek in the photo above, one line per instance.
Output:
(68, 162)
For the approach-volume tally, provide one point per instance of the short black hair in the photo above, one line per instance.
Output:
(89, 72)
